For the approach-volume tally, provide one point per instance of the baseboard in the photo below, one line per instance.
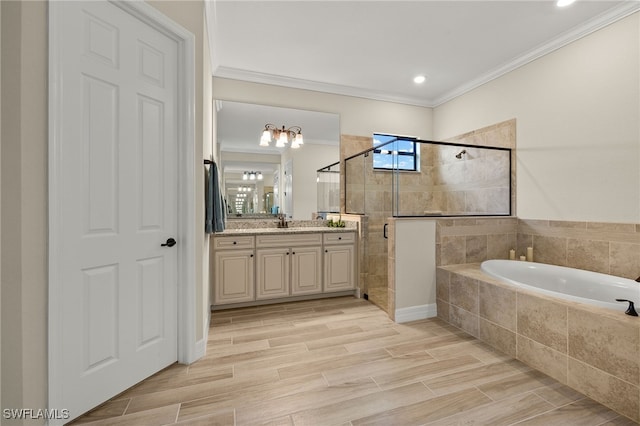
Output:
(415, 313)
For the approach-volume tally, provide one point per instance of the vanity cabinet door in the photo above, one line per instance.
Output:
(306, 270)
(339, 267)
(234, 276)
(272, 273)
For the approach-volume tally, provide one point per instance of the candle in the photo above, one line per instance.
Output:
(512, 254)
(523, 258)
(529, 254)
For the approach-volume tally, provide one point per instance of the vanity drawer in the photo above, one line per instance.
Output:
(233, 242)
(288, 240)
(339, 237)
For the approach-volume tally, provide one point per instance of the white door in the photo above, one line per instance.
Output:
(118, 202)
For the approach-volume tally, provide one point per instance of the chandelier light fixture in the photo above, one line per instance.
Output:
(281, 136)
(252, 176)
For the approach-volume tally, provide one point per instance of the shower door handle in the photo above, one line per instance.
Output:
(384, 231)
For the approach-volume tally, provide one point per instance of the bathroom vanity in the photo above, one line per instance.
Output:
(253, 266)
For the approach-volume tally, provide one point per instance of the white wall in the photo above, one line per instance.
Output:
(415, 269)
(578, 131)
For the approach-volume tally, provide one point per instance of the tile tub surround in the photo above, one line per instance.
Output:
(592, 350)
(609, 248)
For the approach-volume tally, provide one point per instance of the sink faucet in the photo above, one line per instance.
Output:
(282, 223)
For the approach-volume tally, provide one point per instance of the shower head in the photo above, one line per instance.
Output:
(461, 153)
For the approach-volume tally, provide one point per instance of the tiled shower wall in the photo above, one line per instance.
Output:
(475, 184)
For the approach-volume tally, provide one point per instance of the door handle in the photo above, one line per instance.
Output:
(170, 243)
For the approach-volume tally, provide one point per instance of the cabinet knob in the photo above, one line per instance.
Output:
(326, 251)
(251, 256)
(293, 252)
(235, 242)
(339, 238)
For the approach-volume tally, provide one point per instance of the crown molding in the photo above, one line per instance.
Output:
(316, 86)
(564, 39)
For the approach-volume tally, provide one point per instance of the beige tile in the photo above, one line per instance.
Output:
(155, 416)
(506, 412)
(465, 320)
(476, 248)
(248, 369)
(624, 260)
(477, 349)
(107, 410)
(580, 413)
(221, 418)
(588, 255)
(425, 371)
(344, 411)
(542, 320)
(277, 331)
(215, 360)
(428, 344)
(261, 411)
(498, 245)
(201, 390)
(315, 366)
(542, 358)
(442, 284)
(616, 394)
(430, 410)
(339, 339)
(498, 304)
(452, 250)
(443, 310)
(559, 394)
(386, 366)
(475, 376)
(311, 336)
(612, 227)
(516, 384)
(221, 402)
(610, 345)
(551, 250)
(497, 336)
(463, 293)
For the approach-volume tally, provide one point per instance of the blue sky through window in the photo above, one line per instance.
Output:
(386, 158)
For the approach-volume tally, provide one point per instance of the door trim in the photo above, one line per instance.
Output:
(188, 349)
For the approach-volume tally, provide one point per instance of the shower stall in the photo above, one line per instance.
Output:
(407, 177)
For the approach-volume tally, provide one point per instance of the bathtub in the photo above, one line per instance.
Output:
(567, 283)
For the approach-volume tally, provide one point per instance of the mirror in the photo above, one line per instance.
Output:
(288, 183)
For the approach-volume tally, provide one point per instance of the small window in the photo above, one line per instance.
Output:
(385, 158)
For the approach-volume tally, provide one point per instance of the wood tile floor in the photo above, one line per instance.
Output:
(343, 362)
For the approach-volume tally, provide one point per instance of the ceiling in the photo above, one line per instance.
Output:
(373, 49)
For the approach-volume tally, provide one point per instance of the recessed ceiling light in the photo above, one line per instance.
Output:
(419, 79)
(564, 3)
